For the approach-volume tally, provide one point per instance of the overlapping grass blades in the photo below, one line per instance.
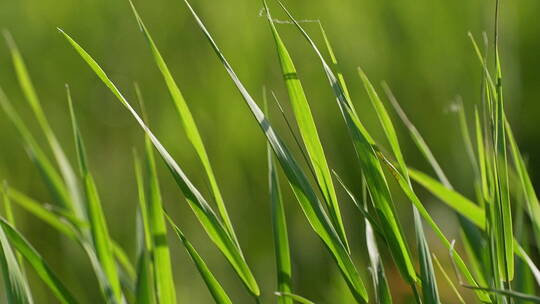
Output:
(217, 291)
(211, 223)
(190, 127)
(366, 152)
(303, 191)
(308, 131)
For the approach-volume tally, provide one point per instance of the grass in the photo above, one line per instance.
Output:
(497, 253)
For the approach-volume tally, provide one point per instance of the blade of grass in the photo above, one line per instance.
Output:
(447, 278)
(75, 202)
(279, 229)
(16, 286)
(308, 131)
(190, 127)
(365, 150)
(99, 230)
(37, 262)
(215, 229)
(304, 193)
(218, 293)
(295, 297)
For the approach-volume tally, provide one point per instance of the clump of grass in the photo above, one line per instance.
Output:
(490, 270)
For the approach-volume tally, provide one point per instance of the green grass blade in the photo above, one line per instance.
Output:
(160, 250)
(10, 217)
(448, 280)
(37, 262)
(452, 198)
(218, 293)
(98, 224)
(69, 177)
(382, 290)
(51, 177)
(430, 291)
(215, 229)
(308, 131)
(304, 193)
(190, 127)
(365, 150)
(15, 283)
(295, 297)
(279, 228)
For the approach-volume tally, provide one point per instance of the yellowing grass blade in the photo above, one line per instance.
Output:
(308, 131)
(303, 191)
(210, 221)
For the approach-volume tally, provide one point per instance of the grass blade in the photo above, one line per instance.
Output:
(308, 131)
(279, 228)
(16, 285)
(190, 127)
(295, 297)
(69, 177)
(304, 193)
(37, 262)
(218, 293)
(447, 278)
(202, 209)
(365, 150)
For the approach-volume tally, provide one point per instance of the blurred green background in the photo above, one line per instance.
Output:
(419, 47)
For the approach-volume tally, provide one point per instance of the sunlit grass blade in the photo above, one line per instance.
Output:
(308, 131)
(98, 224)
(365, 150)
(215, 229)
(69, 176)
(166, 292)
(51, 177)
(279, 229)
(218, 293)
(295, 297)
(448, 280)
(37, 262)
(190, 127)
(144, 290)
(303, 191)
(452, 198)
(15, 283)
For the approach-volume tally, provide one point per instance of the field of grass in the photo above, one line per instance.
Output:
(247, 180)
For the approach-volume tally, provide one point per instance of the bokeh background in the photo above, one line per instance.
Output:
(419, 47)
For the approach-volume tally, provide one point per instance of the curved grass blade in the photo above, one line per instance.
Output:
(51, 177)
(218, 293)
(37, 262)
(75, 202)
(365, 150)
(295, 297)
(215, 229)
(100, 234)
(304, 193)
(279, 228)
(190, 127)
(16, 286)
(308, 131)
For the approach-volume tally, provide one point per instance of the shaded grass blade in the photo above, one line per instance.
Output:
(448, 280)
(37, 262)
(215, 229)
(218, 293)
(304, 193)
(190, 127)
(308, 131)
